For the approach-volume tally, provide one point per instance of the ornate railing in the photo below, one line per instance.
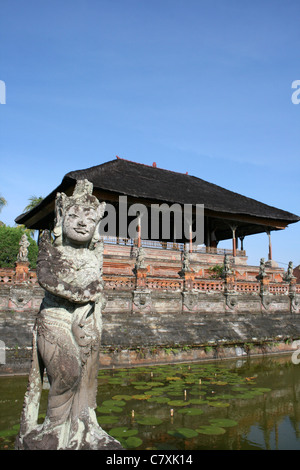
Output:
(208, 285)
(7, 276)
(119, 282)
(170, 246)
(241, 286)
(278, 288)
(164, 284)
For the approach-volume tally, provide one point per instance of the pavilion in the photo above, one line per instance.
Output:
(227, 215)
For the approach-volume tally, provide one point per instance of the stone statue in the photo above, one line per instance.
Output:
(186, 260)
(67, 333)
(226, 267)
(23, 250)
(289, 274)
(140, 258)
(262, 270)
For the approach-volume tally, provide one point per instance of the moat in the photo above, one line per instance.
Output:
(245, 404)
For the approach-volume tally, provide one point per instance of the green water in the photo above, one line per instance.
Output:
(228, 405)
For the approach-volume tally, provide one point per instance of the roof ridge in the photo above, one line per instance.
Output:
(152, 166)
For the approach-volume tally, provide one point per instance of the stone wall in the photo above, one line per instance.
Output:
(158, 313)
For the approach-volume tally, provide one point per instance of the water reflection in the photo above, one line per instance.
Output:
(244, 404)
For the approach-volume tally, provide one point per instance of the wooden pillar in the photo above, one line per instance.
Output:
(270, 245)
(233, 228)
(139, 232)
(242, 243)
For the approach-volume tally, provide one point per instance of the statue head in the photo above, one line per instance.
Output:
(77, 217)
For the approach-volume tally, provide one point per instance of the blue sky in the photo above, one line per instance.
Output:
(194, 85)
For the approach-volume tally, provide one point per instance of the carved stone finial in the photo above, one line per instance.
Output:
(67, 333)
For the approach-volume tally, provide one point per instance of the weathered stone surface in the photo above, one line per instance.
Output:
(67, 332)
(130, 331)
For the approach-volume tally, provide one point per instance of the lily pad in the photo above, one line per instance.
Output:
(197, 401)
(223, 422)
(210, 430)
(178, 403)
(133, 442)
(185, 433)
(122, 432)
(122, 397)
(175, 393)
(141, 397)
(225, 396)
(155, 392)
(110, 403)
(107, 410)
(107, 419)
(218, 404)
(197, 392)
(115, 380)
(155, 384)
(150, 420)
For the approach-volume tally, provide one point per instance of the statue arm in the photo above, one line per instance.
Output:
(50, 263)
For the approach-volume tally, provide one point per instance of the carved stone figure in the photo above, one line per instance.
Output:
(186, 260)
(67, 333)
(289, 274)
(262, 270)
(140, 259)
(226, 268)
(23, 250)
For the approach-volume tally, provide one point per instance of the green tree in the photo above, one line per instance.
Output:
(9, 246)
(33, 201)
(3, 202)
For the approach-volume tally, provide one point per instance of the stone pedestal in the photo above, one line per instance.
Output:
(141, 275)
(141, 295)
(189, 277)
(22, 270)
(264, 292)
(229, 291)
(294, 303)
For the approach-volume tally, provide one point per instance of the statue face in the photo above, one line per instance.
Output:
(79, 224)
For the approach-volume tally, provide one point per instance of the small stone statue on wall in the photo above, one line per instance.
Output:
(67, 333)
(186, 259)
(23, 250)
(289, 273)
(262, 270)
